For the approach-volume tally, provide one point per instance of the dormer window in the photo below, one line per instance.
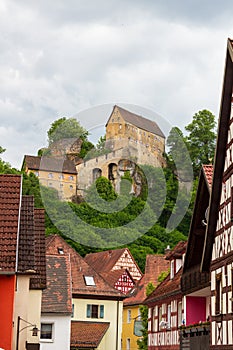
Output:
(60, 250)
(89, 280)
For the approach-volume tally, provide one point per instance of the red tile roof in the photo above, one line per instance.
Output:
(155, 264)
(208, 172)
(79, 269)
(106, 260)
(49, 164)
(166, 288)
(169, 286)
(19, 232)
(57, 298)
(10, 189)
(39, 280)
(87, 335)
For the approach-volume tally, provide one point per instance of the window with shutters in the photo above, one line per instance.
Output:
(95, 311)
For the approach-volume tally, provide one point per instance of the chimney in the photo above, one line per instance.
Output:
(167, 250)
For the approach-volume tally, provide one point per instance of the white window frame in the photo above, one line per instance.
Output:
(47, 340)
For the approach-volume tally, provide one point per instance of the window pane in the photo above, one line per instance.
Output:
(101, 311)
(88, 311)
(46, 331)
(94, 311)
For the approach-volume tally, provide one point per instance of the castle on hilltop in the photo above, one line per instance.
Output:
(131, 141)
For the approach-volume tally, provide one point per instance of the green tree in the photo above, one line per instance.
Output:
(5, 167)
(201, 139)
(68, 128)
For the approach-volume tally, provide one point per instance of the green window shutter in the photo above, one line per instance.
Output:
(101, 311)
(88, 310)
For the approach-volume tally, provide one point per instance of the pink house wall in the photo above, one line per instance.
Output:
(195, 310)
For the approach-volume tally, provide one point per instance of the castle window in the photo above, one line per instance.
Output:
(120, 126)
(71, 177)
(71, 187)
(50, 175)
(113, 120)
(36, 173)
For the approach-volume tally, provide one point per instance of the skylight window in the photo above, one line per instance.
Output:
(60, 250)
(89, 280)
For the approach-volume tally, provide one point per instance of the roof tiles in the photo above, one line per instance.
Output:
(39, 280)
(10, 190)
(87, 335)
(208, 172)
(56, 298)
(49, 164)
(139, 121)
(79, 269)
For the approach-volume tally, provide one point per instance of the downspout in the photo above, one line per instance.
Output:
(117, 330)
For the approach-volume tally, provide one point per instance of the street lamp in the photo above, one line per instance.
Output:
(34, 330)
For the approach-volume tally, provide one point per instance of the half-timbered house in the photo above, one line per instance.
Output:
(112, 260)
(166, 311)
(218, 246)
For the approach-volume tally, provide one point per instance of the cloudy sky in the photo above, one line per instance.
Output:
(60, 57)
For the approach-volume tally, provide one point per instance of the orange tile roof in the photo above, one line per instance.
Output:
(87, 335)
(57, 298)
(10, 190)
(155, 264)
(79, 269)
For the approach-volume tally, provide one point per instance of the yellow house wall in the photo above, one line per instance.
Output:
(128, 328)
(62, 182)
(120, 132)
(110, 315)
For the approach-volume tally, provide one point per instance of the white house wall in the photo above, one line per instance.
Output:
(61, 333)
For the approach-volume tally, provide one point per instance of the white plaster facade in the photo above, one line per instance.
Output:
(60, 332)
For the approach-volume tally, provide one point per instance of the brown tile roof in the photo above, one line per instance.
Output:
(49, 164)
(177, 251)
(208, 172)
(26, 252)
(79, 269)
(87, 335)
(39, 280)
(10, 189)
(166, 288)
(155, 264)
(139, 121)
(105, 261)
(57, 298)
